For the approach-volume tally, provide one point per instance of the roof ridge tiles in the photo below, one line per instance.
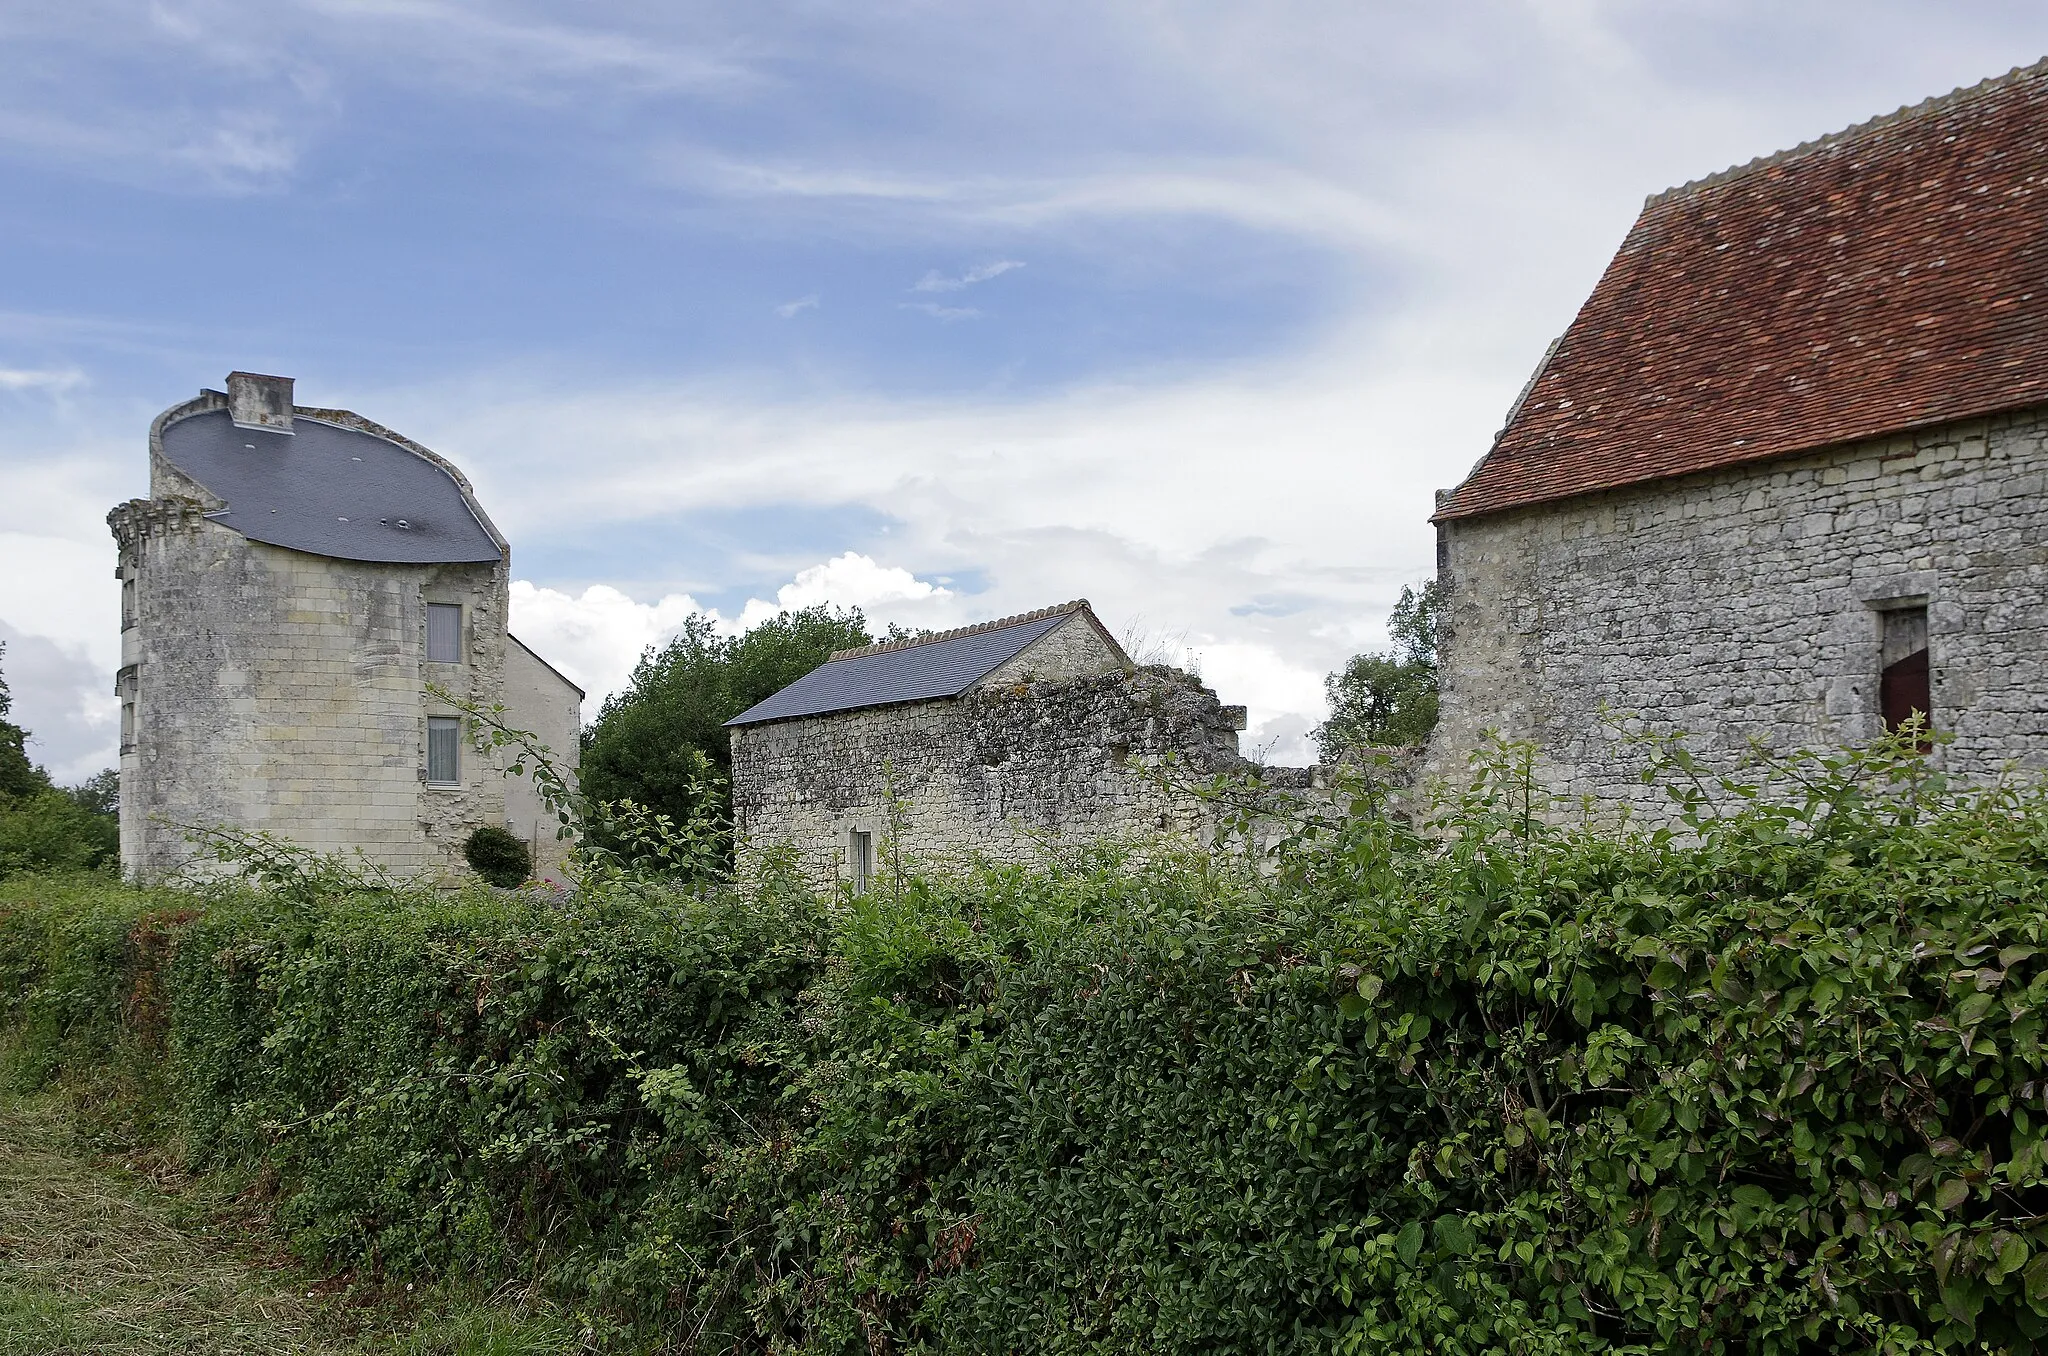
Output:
(1939, 103)
(1001, 623)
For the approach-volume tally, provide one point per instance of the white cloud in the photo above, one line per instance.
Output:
(32, 379)
(790, 308)
(934, 281)
(1295, 202)
(1171, 504)
(241, 149)
(885, 593)
(597, 636)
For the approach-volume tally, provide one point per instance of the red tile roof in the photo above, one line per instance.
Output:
(1888, 277)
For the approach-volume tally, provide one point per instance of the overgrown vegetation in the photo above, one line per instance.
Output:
(1773, 1083)
(44, 827)
(1387, 698)
(662, 744)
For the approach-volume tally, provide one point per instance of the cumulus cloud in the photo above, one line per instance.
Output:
(934, 281)
(886, 593)
(594, 637)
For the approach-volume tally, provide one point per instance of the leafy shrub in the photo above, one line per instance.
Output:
(498, 855)
(55, 830)
(1774, 1083)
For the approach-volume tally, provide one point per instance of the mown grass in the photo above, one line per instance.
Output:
(108, 1249)
(93, 1258)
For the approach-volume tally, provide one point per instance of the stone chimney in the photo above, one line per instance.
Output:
(257, 401)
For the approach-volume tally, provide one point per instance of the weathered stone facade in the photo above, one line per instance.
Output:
(1750, 602)
(267, 688)
(1007, 771)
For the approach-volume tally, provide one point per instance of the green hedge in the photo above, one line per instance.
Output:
(1775, 1085)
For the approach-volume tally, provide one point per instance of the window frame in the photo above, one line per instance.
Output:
(443, 609)
(453, 726)
(860, 859)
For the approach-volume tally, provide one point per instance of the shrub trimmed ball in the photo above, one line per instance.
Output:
(498, 856)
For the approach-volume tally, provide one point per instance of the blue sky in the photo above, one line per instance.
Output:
(944, 310)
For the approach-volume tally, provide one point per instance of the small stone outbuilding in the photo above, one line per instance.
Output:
(1785, 477)
(296, 580)
(1000, 740)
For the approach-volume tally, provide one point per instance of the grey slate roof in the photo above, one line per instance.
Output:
(330, 491)
(909, 671)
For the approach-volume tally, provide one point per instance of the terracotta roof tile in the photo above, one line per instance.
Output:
(1888, 277)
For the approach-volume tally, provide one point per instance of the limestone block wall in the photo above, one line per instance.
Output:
(541, 700)
(1747, 602)
(1003, 771)
(1073, 649)
(276, 690)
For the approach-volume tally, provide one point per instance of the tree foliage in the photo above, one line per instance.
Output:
(18, 776)
(44, 827)
(1387, 697)
(650, 743)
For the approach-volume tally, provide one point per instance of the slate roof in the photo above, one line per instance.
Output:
(925, 669)
(329, 490)
(1887, 277)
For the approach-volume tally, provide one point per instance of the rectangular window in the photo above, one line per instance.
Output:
(1905, 684)
(444, 751)
(127, 604)
(444, 633)
(860, 860)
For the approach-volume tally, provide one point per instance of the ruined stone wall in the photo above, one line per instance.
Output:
(1003, 771)
(276, 690)
(541, 700)
(1747, 602)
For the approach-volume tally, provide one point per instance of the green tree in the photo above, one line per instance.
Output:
(645, 742)
(44, 827)
(18, 776)
(1388, 697)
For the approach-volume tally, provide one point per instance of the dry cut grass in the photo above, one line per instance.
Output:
(98, 1260)
(92, 1259)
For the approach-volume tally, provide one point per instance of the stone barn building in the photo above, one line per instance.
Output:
(294, 582)
(1783, 476)
(1000, 740)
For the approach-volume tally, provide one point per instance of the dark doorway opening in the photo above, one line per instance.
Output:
(1905, 687)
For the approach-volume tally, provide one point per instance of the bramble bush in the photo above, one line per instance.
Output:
(1771, 1081)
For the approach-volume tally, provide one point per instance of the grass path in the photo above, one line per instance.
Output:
(98, 1260)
